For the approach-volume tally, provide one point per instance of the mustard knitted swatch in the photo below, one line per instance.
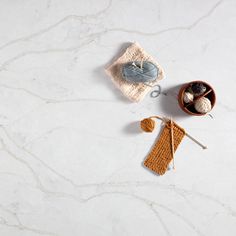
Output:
(134, 91)
(161, 154)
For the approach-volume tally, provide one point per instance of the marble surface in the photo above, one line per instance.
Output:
(71, 151)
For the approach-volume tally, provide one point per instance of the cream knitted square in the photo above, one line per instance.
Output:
(134, 91)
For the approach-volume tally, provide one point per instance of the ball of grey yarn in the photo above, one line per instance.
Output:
(198, 89)
(139, 72)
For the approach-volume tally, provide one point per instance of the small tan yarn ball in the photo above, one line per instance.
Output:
(147, 125)
(203, 105)
(188, 97)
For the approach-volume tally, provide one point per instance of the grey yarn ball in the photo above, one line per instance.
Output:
(139, 72)
(198, 89)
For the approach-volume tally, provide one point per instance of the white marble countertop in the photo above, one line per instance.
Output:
(71, 151)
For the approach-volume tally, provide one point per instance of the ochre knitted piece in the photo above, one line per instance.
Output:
(134, 91)
(161, 154)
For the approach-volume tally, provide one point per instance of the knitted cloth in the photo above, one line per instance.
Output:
(161, 154)
(134, 91)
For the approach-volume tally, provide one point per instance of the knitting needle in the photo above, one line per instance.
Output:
(197, 142)
(188, 135)
(172, 141)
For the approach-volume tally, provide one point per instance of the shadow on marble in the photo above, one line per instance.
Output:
(132, 128)
(104, 78)
(152, 172)
(169, 102)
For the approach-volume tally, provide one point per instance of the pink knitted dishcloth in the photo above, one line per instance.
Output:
(134, 91)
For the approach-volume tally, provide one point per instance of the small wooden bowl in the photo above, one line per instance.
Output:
(189, 107)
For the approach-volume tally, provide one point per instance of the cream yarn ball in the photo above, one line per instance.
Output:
(203, 105)
(188, 97)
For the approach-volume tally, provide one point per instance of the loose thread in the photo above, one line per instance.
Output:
(141, 64)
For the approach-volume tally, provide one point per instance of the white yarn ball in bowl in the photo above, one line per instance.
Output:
(203, 105)
(188, 97)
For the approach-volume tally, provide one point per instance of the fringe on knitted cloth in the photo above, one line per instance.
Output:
(134, 92)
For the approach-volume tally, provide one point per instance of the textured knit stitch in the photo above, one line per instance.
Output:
(134, 91)
(161, 154)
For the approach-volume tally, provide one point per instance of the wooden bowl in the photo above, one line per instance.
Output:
(189, 107)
